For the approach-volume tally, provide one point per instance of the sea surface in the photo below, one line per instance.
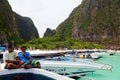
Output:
(114, 74)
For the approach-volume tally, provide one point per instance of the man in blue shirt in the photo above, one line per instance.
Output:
(29, 62)
(24, 55)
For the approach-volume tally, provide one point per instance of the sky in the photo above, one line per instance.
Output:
(44, 13)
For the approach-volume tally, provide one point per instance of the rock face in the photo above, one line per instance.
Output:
(13, 27)
(97, 20)
(94, 20)
(26, 28)
(49, 32)
(8, 27)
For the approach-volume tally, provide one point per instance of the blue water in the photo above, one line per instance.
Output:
(114, 74)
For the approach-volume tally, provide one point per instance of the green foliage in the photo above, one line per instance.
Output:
(8, 28)
(57, 42)
(26, 28)
(49, 32)
(93, 20)
(65, 28)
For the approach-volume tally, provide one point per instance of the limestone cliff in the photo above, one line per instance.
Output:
(94, 20)
(26, 28)
(49, 32)
(13, 27)
(8, 27)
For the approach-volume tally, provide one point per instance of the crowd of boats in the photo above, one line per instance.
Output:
(62, 64)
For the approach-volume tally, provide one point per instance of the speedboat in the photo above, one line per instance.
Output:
(111, 52)
(41, 53)
(78, 65)
(68, 62)
(73, 69)
(30, 74)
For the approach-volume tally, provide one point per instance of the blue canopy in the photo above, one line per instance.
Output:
(3, 48)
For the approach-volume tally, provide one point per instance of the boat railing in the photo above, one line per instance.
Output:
(80, 75)
(107, 67)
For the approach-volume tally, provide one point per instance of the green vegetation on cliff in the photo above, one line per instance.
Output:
(49, 32)
(59, 42)
(26, 28)
(8, 27)
(94, 21)
(14, 29)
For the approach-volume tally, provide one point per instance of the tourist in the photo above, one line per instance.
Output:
(29, 62)
(24, 55)
(32, 64)
(11, 59)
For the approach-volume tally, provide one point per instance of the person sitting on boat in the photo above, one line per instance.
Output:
(29, 62)
(88, 56)
(32, 64)
(11, 59)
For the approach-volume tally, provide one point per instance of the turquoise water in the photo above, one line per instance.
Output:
(114, 61)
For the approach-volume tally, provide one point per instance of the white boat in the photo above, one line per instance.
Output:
(68, 62)
(35, 72)
(42, 53)
(96, 55)
(84, 66)
(89, 66)
(111, 52)
(90, 53)
(30, 74)
(78, 65)
(73, 69)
